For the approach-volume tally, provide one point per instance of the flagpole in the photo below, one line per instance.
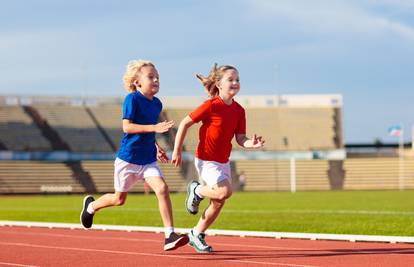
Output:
(401, 177)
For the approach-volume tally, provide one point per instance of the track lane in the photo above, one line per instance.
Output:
(65, 247)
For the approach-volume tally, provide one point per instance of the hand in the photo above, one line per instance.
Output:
(257, 141)
(164, 126)
(161, 155)
(176, 158)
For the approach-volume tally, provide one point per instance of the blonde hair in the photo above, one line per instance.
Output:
(131, 74)
(215, 75)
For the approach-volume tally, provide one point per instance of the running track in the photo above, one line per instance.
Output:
(23, 246)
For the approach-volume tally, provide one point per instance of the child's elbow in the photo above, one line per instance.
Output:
(126, 129)
(186, 123)
(183, 125)
(240, 140)
(126, 126)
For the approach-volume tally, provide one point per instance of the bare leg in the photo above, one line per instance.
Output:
(109, 200)
(220, 191)
(164, 202)
(209, 215)
(218, 195)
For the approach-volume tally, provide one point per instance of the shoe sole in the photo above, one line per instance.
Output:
(178, 243)
(83, 209)
(186, 200)
(199, 251)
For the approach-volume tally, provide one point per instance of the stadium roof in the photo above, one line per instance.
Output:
(248, 101)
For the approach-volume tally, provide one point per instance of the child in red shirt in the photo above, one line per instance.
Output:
(222, 118)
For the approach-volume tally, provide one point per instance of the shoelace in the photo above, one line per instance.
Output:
(173, 237)
(202, 241)
(196, 200)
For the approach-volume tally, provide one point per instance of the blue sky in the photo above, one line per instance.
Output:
(362, 49)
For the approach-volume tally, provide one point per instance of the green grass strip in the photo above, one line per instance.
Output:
(347, 212)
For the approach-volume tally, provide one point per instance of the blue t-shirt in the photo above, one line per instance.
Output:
(139, 148)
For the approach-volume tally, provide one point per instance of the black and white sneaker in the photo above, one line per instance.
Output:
(85, 217)
(175, 241)
(192, 201)
(199, 243)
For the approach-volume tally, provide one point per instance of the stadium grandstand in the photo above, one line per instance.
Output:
(68, 144)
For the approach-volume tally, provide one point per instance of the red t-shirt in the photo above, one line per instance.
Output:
(220, 123)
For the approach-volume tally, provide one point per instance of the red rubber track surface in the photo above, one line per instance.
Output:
(23, 246)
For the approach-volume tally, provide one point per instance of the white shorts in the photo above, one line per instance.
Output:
(212, 172)
(126, 174)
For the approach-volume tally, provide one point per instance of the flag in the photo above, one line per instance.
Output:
(395, 130)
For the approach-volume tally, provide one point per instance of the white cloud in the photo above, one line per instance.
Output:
(403, 5)
(345, 18)
(399, 29)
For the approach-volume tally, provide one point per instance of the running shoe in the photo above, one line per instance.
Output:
(199, 243)
(192, 201)
(175, 241)
(85, 217)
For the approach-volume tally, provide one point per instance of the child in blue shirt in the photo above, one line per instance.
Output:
(138, 153)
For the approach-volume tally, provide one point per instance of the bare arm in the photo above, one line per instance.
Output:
(186, 123)
(244, 141)
(131, 128)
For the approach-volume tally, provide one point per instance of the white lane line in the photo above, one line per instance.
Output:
(212, 232)
(140, 253)
(16, 264)
(83, 237)
(266, 247)
(94, 250)
(249, 211)
(144, 240)
(274, 263)
(160, 241)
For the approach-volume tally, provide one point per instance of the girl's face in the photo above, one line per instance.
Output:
(229, 84)
(148, 81)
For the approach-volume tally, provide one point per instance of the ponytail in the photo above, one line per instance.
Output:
(215, 75)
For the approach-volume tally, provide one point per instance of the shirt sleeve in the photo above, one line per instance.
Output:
(202, 112)
(129, 107)
(241, 125)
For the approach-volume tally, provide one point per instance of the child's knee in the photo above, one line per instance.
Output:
(119, 201)
(218, 204)
(162, 189)
(224, 194)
